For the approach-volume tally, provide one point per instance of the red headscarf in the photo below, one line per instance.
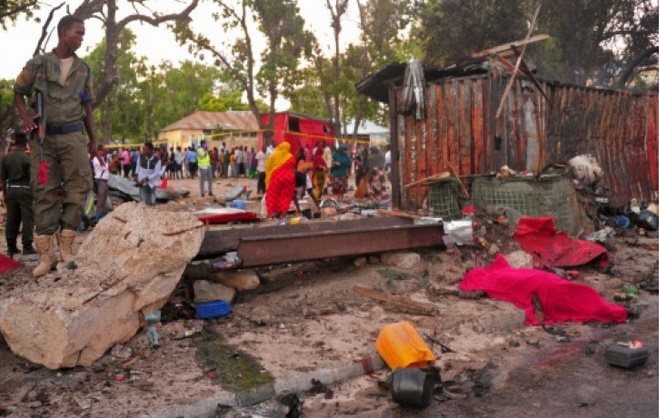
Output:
(318, 161)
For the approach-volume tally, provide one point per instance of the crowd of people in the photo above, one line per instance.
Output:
(316, 171)
(276, 170)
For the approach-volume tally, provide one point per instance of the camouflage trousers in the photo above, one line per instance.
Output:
(61, 199)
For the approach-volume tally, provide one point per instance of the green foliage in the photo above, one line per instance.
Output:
(594, 40)
(6, 104)
(120, 114)
(222, 103)
(384, 24)
(10, 10)
(145, 98)
(453, 29)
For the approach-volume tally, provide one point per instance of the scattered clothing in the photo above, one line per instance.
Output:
(550, 248)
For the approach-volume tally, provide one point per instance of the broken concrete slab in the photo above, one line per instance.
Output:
(404, 260)
(126, 267)
(205, 291)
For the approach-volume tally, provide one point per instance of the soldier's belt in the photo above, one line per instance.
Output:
(65, 128)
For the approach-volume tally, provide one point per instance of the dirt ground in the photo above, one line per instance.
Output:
(305, 317)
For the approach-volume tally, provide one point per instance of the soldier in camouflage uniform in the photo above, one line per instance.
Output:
(66, 83)
(15, 181)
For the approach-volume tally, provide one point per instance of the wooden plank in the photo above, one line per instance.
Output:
(452, 121)
(477, 120)
(444, 123)
(395, 151)
(399, 214)
(438, 176)
(464, 137)
(454, 173)
(518, 63)
(527, 71)
(507, 63)
(398, 301)
(506, 47)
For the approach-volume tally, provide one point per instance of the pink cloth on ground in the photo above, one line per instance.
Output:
(562, 300)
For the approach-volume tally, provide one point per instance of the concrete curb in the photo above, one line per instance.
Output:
(295, 382)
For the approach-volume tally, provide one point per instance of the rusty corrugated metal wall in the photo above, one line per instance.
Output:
(619, 129)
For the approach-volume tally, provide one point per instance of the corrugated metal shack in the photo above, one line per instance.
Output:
(459, 126)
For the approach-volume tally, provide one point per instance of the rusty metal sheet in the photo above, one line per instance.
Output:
(285, 248)
(618, 128)
(220, 241)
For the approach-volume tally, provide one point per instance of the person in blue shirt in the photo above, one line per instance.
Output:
(191, 158)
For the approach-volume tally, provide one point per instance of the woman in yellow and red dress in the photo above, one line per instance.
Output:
(279, 180)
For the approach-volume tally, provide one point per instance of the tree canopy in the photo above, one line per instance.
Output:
(10, 10)
(592, 42)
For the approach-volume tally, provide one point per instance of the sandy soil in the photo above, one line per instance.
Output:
(306, 317)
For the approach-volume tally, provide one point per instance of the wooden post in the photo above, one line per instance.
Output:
(393, 144)
(517, 64)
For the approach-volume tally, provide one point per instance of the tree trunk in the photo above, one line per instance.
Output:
(629, 70)
(111, 53)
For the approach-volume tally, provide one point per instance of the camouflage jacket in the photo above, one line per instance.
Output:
(63, 102)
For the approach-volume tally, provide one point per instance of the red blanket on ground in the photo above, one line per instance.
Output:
(7, 263)
(230, 217)
(538, 237)
(562, 300)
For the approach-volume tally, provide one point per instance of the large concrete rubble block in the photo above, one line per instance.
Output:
(128, 266)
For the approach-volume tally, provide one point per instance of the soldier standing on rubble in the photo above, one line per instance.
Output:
(15, 181)
(62, 159)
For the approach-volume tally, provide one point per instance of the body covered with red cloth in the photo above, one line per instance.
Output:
(562, 300)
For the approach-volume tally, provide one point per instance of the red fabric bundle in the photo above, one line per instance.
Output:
(538, 237)
(7, 263)
(562, 300)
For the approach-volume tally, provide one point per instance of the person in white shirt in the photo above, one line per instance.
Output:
(101, 176)
(260, 157)
(148, 174)
(240, 159)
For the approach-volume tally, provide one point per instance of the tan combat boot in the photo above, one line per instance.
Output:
(65, 241)
(47, 257)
